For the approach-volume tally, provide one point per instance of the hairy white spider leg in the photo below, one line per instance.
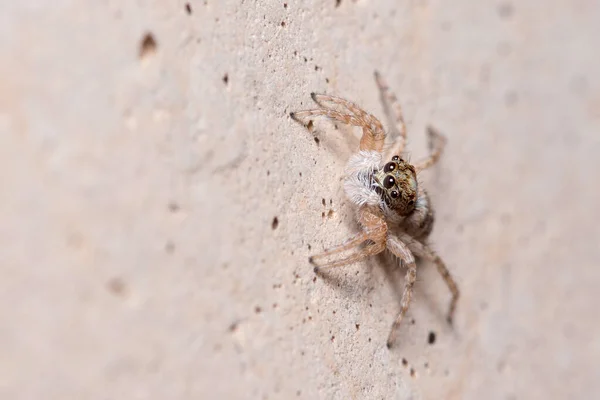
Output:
(426, 252)
(401, 250)
(347, 245)
(374, 230)
(365, 252)
(341, 110)
(335, 115)
(338, 103)
(437, 142)
(393, 112)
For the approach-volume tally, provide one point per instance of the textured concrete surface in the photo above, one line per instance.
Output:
(158, 204)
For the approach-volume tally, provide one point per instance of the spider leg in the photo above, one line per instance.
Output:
(347, 112)
(337, 103)
(363, 253)
(374, 231)
(401, 250)
(349, 244)
(333, 114)
(423, 250)
(392, 108)
(437, 142)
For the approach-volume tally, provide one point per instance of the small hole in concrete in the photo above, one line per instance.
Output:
(505, 10)
(170, 247)
(148, 46)
(257, 309)
(357, 326)
(284, 5)
(412, 372)
(174, 207)
(275, 223)
(511, 98)
(431, 337)
(117, 286)
(337, 3)
(226, 79)
(282, 23)
(188, 8)
(317, 141)
(233, 327)
(404, 362)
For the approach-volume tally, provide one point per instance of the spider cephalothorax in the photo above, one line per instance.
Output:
(396, 183)
(393, 211)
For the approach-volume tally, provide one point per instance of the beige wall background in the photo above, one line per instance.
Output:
(146, 152)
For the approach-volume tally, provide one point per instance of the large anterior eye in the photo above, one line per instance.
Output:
(389, 167)
(389, 181)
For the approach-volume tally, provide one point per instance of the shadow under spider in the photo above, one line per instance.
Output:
(394, 275)
(395, 272)
(342, 144)
(354, 289)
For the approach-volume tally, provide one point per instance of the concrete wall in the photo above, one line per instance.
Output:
(158, 204)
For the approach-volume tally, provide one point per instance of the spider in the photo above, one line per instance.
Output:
(393, 208)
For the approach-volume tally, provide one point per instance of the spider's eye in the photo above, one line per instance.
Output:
(389, 181)
(389, 167)
(411, 202)
(395, 158)
(394, 194)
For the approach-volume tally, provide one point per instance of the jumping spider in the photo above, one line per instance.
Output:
(392, 207)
